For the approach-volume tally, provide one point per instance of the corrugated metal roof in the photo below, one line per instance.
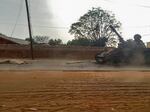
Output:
(15, 40)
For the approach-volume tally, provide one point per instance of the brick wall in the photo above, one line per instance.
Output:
(5, 41)
(53, 52)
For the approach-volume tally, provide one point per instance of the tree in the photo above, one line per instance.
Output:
(55, 42)
(112, 42)
(2, 34)
(80, 42)
(94, 25)
(41, 39)
(28, 39)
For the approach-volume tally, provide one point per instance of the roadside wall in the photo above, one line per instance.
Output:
(52, 52)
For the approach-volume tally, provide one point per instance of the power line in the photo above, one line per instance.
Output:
(52, 27)
(42, 26)
(144, 6)
(144, 35)
(19, 13)
(110, 1)
(133, 4)
(66, 28)
(137, 27)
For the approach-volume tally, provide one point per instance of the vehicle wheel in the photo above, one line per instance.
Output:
(99, 59)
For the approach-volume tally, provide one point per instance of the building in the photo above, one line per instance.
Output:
(9, 40)
(148, 44)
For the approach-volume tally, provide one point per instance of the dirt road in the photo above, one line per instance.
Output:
(45, 91)
(65, 65)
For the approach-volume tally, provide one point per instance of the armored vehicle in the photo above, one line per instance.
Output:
(128, 52)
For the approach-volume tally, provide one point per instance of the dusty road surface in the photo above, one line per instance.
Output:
(64, 65)
(47, 91)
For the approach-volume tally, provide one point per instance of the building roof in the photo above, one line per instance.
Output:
(15, 40)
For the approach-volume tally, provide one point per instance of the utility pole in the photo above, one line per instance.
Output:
(30, 32)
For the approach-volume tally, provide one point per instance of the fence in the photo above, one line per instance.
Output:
(52, 52)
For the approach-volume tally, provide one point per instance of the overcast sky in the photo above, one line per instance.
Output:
(54, 17)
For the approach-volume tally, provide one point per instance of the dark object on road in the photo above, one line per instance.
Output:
(128, 52)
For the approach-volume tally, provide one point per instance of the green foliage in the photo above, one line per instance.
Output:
(2, 34)
(41, 39)
(88, 42)
(94, 25)
(45, 40)
(80, 42)
(101, 42)
(55, 42)
(28, 39)
(112, 42)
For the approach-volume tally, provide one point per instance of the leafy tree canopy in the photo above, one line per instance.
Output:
(41, 39)
(80, 42)
(55, 42)
(94, 25)
(28, 39)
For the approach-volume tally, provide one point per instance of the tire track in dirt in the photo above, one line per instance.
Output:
(75, 94)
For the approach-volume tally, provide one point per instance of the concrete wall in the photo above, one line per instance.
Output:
(42, 51)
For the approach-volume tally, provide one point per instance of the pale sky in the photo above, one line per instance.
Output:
(54, 17)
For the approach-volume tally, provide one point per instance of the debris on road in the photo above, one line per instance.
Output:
(32, 109)
(74, 62)
(12, 61)
(2, 105)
